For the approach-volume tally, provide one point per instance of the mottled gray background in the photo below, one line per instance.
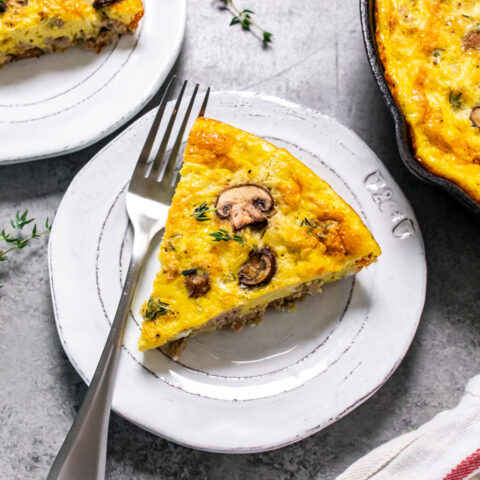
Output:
(318, 60)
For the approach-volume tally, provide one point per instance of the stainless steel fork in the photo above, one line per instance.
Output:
(83, 453)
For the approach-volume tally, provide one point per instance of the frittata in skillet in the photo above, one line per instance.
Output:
(32, 27)
(430, 50)
(249, 226)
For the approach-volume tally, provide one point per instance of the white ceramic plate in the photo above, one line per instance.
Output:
(63, 102)
(284, 379)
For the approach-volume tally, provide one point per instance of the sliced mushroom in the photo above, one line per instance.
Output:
(258, 269)
(98, 4)
(471, 40)
(197, 282)
(475, 116)
(244, 204)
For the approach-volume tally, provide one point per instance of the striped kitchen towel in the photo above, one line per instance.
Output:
(445, 448)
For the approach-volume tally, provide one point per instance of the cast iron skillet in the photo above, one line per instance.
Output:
(367, 15)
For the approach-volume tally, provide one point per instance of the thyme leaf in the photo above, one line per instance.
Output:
(200, 212)
(226, 236)
(316, 228)
(455, 100)
(244, 18)
(267, 37)
(15, 240)
(305, 222)
(21, 220)
(155, 308)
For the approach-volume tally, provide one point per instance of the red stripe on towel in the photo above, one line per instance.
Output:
(465, 468)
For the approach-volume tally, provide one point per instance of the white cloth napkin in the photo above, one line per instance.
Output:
(445, 448)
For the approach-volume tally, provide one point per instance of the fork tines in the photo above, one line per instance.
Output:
(158, 164)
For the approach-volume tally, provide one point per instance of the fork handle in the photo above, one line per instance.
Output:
(82, 455)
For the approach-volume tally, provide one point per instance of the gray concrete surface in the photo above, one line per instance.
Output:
(318, 60)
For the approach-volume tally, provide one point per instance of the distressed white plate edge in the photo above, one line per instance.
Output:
(224, 445)
(143, 99)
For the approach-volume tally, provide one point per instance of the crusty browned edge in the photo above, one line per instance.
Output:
(133, 25)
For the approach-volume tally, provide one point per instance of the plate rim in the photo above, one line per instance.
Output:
(142, 101)
(293, 437)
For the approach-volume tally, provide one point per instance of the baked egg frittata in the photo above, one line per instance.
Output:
(31, 27)
(430, 50)
(249, 226)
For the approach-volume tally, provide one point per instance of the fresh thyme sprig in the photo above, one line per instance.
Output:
(226, 236)
(15, 240)
(200, 212)
(156, 308)
(244, 18)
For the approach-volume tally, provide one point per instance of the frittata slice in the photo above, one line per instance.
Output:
(249, 226)
(32, 27)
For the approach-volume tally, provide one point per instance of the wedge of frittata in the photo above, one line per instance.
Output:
(30, 28)
(249, 226)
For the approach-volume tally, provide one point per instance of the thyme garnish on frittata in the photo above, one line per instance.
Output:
(455, 100)
(155, 308)
(15, 240)
(200, 212)
(226, 236)
(244, 19)
(315, 228)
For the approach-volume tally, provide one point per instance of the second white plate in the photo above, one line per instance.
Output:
(59, 103)
(284, 379)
